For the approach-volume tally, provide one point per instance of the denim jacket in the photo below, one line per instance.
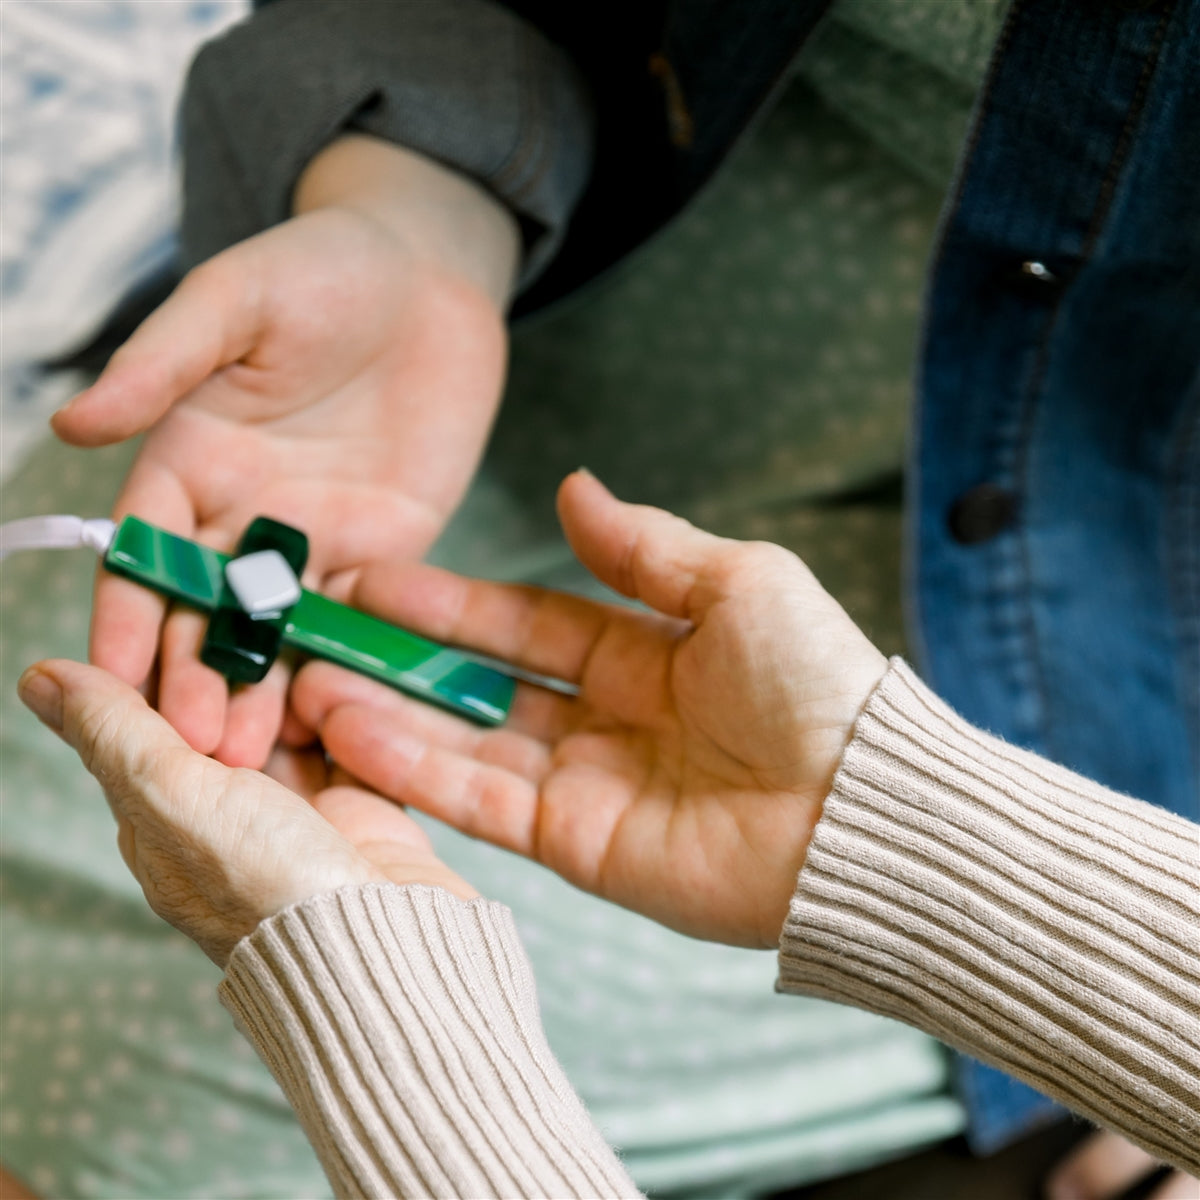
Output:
(1054, 496)
(1055, 519)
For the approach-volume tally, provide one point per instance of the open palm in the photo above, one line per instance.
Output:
(320, 373)
(685, 779)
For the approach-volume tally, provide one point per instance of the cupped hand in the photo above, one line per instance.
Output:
(686, 778)
(217, 849)
(324, 373)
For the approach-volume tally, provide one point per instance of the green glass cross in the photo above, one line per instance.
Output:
(240, 646)
(195, 575)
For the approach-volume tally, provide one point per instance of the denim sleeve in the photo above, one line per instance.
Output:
(466, 82)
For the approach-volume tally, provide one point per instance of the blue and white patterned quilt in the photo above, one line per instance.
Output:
(87, 101)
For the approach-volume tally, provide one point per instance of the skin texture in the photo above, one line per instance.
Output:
(338, 372)
(686, 779)
(219, 849)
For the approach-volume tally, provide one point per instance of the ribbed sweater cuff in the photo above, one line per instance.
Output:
(1012, 909)
(403, 1027)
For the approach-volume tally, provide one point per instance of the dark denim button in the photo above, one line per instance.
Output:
(1038, 272)
(981, 513)
(1035, 279)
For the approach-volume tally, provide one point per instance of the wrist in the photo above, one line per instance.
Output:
(830, 737)
(444, 219)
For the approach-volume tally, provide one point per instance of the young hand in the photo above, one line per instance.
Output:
(685, 780)
(217, 849)
(338, 372)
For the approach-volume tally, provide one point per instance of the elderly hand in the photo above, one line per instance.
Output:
(686, 779)
(219, 849)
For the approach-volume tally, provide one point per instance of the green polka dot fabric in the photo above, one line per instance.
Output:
(120, 1073)
(905, 73)
(751, 368)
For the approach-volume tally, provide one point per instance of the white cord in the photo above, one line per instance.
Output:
(56, 533)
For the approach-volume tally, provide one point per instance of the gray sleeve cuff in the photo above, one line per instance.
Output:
(465, 82)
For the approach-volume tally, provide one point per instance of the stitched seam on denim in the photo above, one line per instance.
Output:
(1033, 391)
(1012, 452)
(1108, 185)
(910, 587)
(987, 93)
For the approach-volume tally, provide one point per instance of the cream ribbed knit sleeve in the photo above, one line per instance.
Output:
(403, 1027)
(977, 892)
(1013, 910)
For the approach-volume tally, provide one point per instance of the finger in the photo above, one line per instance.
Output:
(253, 720)
(1103, 1166)
(651, 555)
(238, 730)
(373, 744)
(320, 687)
(480, 799)
(366, 818)
(192, 696)
(294, 733)
(211, 319)
(304, 772)
(114, 731)
(214, 850)
(126, 617)
(547, 632)
(385, 835)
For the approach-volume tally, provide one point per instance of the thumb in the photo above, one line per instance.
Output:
(109, 725)
(210, 320)
(215, 850)
(652, 555)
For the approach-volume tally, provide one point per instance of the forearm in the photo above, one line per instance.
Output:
(402, 1025)
(444, 218)
(1011, 909)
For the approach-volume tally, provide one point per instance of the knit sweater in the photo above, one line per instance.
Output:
(1003, 904)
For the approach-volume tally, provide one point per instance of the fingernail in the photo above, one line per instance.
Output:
(43, 696)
